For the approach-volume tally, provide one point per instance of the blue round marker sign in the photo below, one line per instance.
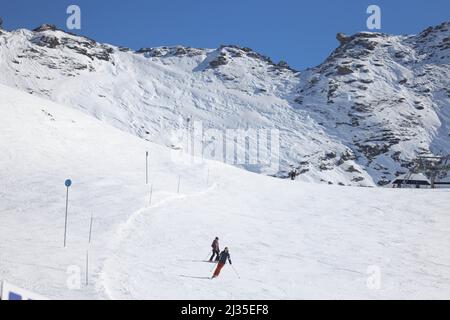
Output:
(68, 183)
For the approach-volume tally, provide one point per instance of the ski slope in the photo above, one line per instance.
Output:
(287, 240)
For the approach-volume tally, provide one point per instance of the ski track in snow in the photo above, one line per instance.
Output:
(128, 226)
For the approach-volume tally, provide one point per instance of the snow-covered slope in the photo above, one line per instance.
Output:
(359, 118)
(287, 240)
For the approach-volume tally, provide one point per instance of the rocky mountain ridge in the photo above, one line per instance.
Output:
(359, 118)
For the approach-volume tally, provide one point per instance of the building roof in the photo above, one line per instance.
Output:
(445, 180)
(415, 177)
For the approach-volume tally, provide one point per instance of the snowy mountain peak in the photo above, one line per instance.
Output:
(358, 118)
(45, 27)
(232, 52)
(175, 51)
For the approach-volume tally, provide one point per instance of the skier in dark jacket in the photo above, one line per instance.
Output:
(293, 174)
(223, 257)
(215, 249)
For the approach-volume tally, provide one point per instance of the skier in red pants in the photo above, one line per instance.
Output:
(223, 257)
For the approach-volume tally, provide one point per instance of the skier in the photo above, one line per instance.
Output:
(224, 256)
(215, 249)
(293, 174)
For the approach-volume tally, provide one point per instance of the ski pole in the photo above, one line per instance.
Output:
(235, 272)
(208, 256)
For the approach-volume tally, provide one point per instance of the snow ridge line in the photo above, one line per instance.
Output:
(125, 228)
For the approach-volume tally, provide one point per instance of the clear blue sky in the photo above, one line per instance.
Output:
(299, 32)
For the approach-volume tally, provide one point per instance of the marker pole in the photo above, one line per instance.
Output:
(90, 228)
(146, 167)
(151, 194)
(87, 268)
(65, 223)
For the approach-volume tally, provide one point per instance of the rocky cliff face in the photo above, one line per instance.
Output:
(387, 97)
(359, 118)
